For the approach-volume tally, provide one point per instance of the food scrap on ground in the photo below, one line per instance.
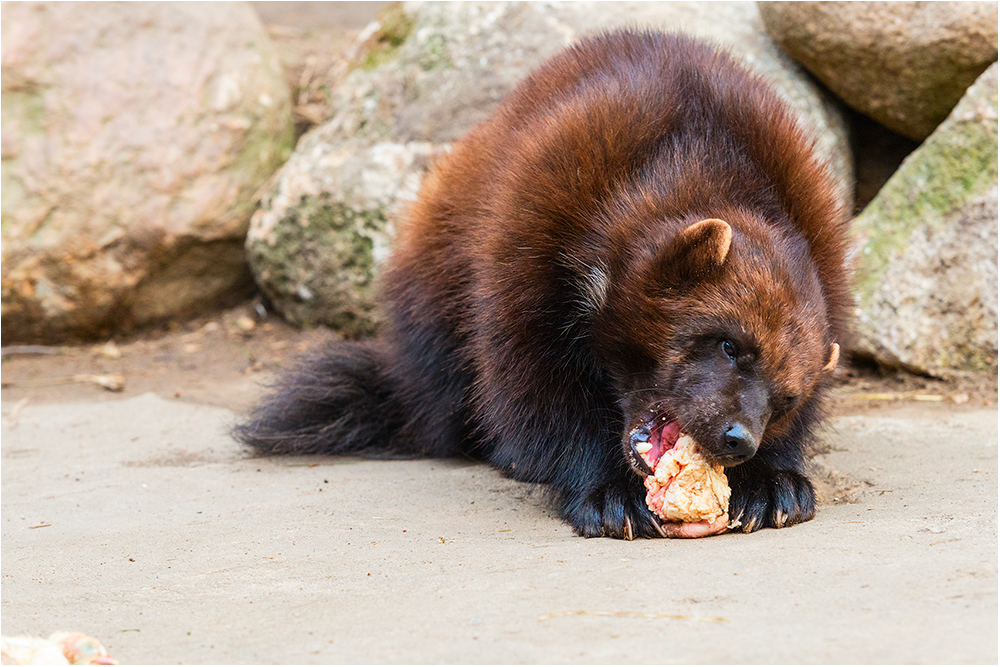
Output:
(61, 648)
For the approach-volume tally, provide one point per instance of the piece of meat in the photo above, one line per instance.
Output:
(61, 648)
(685, 488)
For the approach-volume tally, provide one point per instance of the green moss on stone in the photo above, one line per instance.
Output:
(396, 26)
(26, 108)
(319, 269)
(23, 113)
(266, 147)
(953, 165)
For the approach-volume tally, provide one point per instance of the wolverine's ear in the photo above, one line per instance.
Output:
(699, 248)
(834, 357)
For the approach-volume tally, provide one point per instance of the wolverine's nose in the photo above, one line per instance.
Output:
(739, 444)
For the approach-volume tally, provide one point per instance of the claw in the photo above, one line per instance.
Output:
(628, 529)
(658, 526)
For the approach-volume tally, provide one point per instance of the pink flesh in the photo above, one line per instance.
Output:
(662, 438)
(702, 529)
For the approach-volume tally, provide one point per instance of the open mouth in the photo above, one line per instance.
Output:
(687, 494)
(650, 440)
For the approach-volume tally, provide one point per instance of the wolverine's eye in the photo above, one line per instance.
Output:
(729, 350)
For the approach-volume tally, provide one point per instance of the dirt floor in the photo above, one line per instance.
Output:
(132, 516)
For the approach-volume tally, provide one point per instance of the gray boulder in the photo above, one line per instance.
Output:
(905, 64)
(428, 72)
(320, 235)
(927, 265)
(134, 139)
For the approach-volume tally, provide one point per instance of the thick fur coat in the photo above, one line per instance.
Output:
(640, 234)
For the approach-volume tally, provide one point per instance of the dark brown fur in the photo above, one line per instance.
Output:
(543, 297)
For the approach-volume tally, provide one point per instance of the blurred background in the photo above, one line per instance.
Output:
(198, 188)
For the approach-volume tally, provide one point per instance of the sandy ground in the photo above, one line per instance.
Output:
(132, 516)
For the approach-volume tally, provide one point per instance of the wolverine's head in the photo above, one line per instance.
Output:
(718, 331)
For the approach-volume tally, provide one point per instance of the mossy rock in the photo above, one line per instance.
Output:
(926, 283)
(317, 268)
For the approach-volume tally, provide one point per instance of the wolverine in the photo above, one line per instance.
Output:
(639, 243)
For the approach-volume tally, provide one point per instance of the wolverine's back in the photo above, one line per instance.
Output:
(612, 120)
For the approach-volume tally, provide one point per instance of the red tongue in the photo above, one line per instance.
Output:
(662, 438)
(669, 435)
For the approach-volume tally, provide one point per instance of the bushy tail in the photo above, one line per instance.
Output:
(336, 400)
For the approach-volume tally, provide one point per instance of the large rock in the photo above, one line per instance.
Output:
(134, 139)
(430, 73)
(927, 276)
(905, 64)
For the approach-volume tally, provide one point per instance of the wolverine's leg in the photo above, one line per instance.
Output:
(603, 497)
(771, 491)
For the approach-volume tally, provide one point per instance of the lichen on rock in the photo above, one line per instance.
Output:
(316, 242)
(318, 263)
(927, 255)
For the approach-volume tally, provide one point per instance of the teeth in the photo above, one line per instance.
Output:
(643, 447)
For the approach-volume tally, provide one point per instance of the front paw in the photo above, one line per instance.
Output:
(767, 498)
(614, 510)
